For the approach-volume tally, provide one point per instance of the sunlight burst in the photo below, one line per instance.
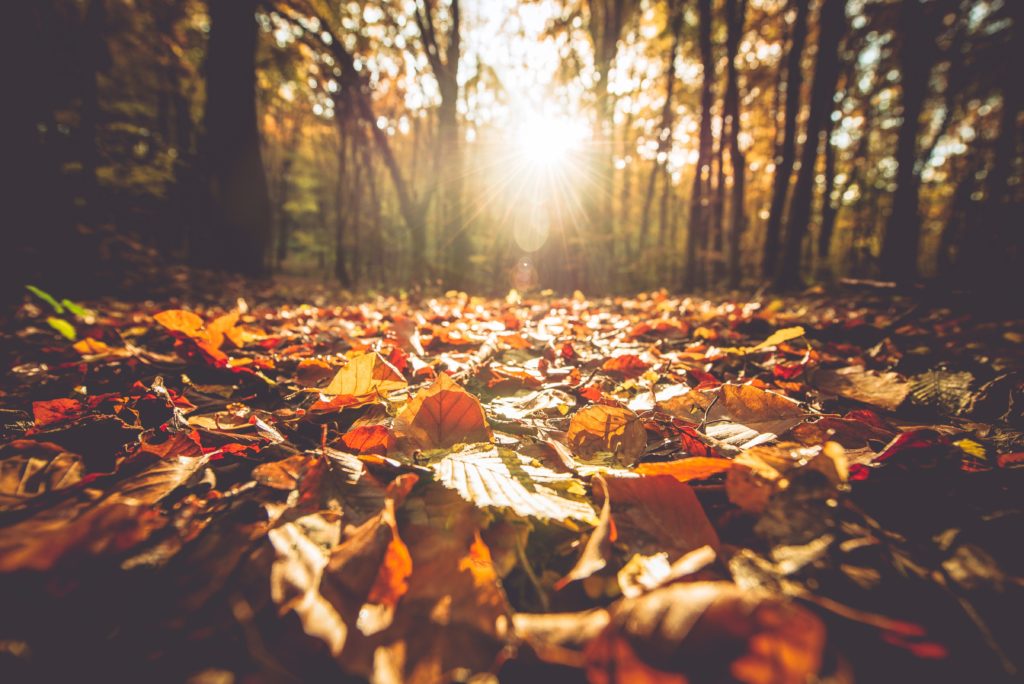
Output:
(548, 142)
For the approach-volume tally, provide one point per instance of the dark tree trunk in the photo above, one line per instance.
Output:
(903, 229)
(675, 23)
(823, 88)
(829, 205)
(239, 234)
(735, 14)
(787, 151)
(696, 229)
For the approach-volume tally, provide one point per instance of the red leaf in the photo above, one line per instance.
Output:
(56, 411)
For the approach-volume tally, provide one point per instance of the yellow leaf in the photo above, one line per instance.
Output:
(366, 374)
(91, 346)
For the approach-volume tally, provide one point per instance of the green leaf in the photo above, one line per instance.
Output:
(74, 308)
(46, 297)
(63, 327)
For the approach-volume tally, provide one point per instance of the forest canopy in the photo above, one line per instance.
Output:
(606, 145)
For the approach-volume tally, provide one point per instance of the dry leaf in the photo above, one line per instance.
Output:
(443, 415)
(612, 429)
(491, 476)
(884, 390)
(686, 469)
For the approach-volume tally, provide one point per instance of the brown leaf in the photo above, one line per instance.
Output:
(739, 415)
(761, 471)
(72, 530)
(600, 428)
(443, 415)
(659, 513)
(598, 549)
(713, 631)
(284, 474)
(29, 469)
(884, 390)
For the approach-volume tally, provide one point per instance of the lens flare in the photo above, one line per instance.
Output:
(549, 142)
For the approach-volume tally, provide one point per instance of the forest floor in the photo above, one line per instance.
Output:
(635, 489)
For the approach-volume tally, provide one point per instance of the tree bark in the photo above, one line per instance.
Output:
(823, 88)
(735, 13)
(696, 232)
(917, 55)
(787, 152)
(675, 24)
(239, 231)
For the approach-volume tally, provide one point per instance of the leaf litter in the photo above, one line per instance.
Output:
(648, 489)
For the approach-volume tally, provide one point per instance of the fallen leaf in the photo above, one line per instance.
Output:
(611, 429)
(884, 390)
(442, 415)
(738, 415)
(686, 469)
(495, 477)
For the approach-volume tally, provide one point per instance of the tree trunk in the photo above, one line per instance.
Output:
(823, 88)
(735, 13)
(903, 229)
(239, 231)
(787, 151)
(675, 23)
(696, 232)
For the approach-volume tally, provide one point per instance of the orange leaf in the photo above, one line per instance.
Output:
(391, 582)
(224, 327)
(614, 429)
(180, 321)
(369, 439)
(628, 365)
(91, 346)
(686, 469)
(443, 415)
(56, 411)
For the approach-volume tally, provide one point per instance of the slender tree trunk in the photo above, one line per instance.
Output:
(898, 260)
(735, 12)
(829, 206)
(345, 198)
(696, 229)
(787, 153)
(823, 88)
(239, 232)
(675, 23)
